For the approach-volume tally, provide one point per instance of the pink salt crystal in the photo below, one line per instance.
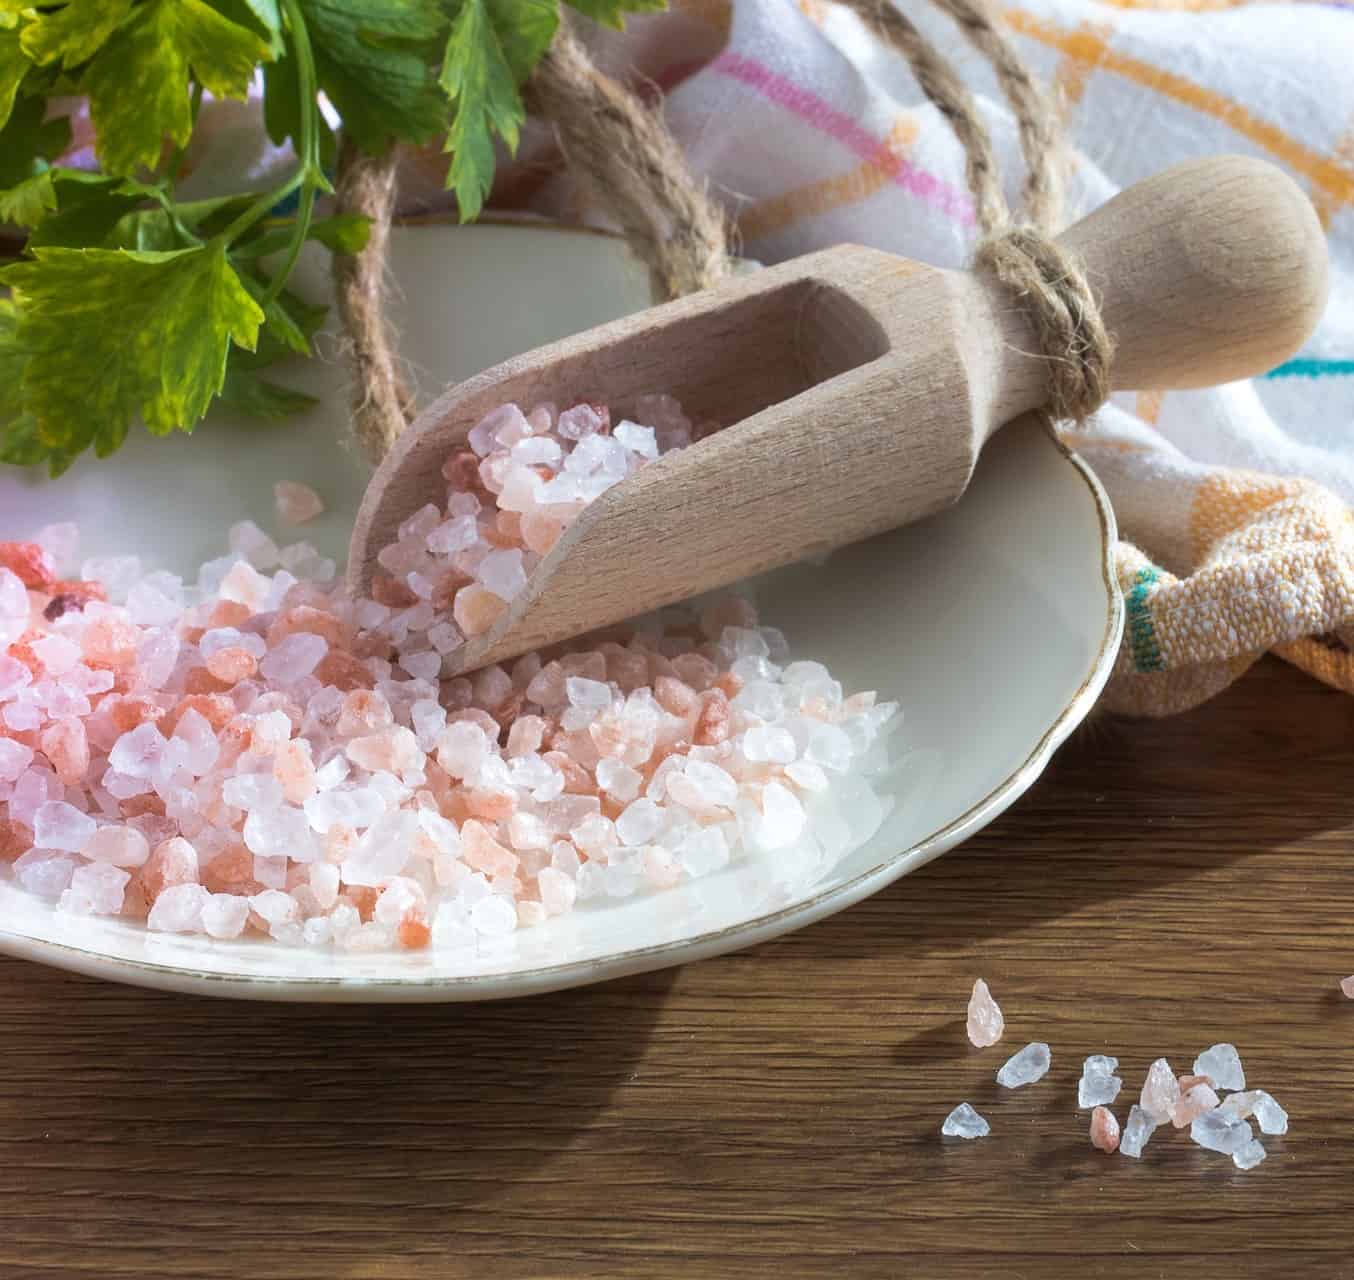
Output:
(295, 770)
(476, 609)
(540, 531)
(232, 665)
(363, 712)
(525, 736)
(985, 1020)
(110, 641)
(393, 750)
(296, 503)
(530, 914)
(66, 745)
(1160, 1091)
(1187, 1083)
(1347, 986)
(480, 850)
(171, 862)
(1104, 1129)
(1193, 1104)
(119, 846)
(245, 585)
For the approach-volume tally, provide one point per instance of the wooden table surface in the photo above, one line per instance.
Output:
(775, 1112)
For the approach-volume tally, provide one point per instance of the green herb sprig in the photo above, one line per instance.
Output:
(131, 303)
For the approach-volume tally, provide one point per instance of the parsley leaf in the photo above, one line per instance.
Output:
(611, 13)
(491, 50)
(369, 57)
(138, 84)
(14, 64)
(75, 32)
(28, 202)
(110, 334)
(250, 394)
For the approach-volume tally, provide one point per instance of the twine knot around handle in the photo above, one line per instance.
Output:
(1052, 286)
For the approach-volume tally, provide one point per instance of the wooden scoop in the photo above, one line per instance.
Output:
(856, 388)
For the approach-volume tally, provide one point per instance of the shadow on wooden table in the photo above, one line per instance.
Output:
(337, 1104)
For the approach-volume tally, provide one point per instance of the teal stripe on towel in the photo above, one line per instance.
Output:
(1313, 369)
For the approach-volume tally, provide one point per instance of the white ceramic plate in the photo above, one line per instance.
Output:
(995, 625)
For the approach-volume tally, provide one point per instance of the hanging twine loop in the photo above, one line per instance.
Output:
(625, 160)
(1048, 279)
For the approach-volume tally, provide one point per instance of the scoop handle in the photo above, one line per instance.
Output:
(1211, 271)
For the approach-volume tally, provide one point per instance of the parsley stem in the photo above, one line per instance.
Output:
(312, 172)
(309, 175)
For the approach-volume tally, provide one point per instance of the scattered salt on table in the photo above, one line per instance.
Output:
(965, 1122)
(985, 1021)
(1025, 1067)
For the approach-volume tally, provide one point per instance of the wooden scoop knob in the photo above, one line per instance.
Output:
(856, 389)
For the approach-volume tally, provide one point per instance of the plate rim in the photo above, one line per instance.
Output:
(544, 978)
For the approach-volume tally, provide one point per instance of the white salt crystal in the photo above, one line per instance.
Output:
(445, 636)
(807, 776)
(138, 753)
(763, 699)
(590, 695)
(618, 780)
(285, 831)
(558, 891)
(526, 831)
(332, 772)
(493, 916)
(640, 822)
(1220, 1130)
(14, 676)
(96, 889)
(773, 745)
(716, 785)
(703, 851)
(1098, 1086)
(420, 524)
(639, 440)
(1222, 1064)
(580, 421)
(45, 872)
(294, 657)
(252, 791)
(965, 1122)
(117, 573)
(830, 747)
(157, 657)
(57, 825)
(1137, 1131)
(296, 503)
(14, 759)
(179, 909)
(384, 850)
(1270, 1116)
(620, 879)
(58, 654)
(250, 541)
(1025, 1067)
(783, 817)
(275, 906)
(536, 451)
(462, 748)
(426, 665)
(481, 437)
(501, 572)
(1160, 1091)
(1250, 1155)
(453, 535)
(22, 716)
(356, 807)
(201, 747)
(440, 831)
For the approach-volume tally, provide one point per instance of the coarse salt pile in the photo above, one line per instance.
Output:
(260, 752)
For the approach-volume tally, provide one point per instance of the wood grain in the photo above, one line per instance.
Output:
(774, 1112)
(856, 389)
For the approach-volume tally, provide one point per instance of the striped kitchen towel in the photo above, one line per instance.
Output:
(1235, 503)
